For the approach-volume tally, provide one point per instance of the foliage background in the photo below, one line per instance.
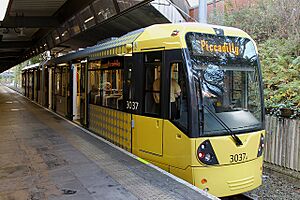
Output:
(275, 26)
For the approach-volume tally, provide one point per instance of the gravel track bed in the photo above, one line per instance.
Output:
(277, 186)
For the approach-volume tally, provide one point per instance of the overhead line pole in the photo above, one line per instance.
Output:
(202, 11)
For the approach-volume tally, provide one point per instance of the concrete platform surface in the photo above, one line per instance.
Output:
(44, 157)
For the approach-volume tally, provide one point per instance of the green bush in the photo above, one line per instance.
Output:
(281, 72)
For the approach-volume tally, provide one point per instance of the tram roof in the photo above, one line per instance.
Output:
(33, 66)
(157, 32)
(165, 30)
(111, 43)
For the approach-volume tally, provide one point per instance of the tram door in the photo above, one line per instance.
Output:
(46, 88)
(53, 96)
(49, 85)
(83, 92)
(150, 126)
(35, 83)
(76, 91)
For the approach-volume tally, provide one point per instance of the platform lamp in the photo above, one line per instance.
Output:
(3, 9)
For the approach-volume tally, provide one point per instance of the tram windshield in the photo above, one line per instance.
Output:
(227, 81)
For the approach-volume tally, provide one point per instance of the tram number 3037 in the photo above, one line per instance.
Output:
(238, 157)
(132, 105)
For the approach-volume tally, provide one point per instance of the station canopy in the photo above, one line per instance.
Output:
(31, 27)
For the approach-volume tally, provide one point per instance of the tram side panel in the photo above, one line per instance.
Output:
(113, 125)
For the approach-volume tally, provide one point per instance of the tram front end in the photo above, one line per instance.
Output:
(229, 134)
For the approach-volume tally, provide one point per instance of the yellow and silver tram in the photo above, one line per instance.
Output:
(187, 97)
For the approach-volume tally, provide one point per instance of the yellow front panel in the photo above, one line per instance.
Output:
(229, 179)
(225, 147)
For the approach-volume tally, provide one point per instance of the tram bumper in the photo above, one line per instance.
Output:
(231, 179)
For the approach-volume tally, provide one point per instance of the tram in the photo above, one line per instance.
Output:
(186, 97)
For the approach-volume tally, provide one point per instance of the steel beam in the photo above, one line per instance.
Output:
(15, 44)
(10, 54)
(5, 63)
(29, 22)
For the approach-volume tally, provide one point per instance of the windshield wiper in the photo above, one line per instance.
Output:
(237, 140)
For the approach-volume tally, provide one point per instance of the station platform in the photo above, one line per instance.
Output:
(43, 156)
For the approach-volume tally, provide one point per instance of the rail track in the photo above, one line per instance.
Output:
(239, 197)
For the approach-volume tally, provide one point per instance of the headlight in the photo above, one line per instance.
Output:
(206, 153)
(261, 145)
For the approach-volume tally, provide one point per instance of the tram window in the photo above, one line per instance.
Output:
(153, 83)
(106, 85)
(78, 74)
(252, 94)
(38, 74)
(64, 82)
(94, 84)
(23, 80)
(40, 80)
(178, 95)
(130, 82)
(57, 81)
(112, 88)
(30, 80)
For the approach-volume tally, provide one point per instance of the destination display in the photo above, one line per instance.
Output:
(212, 45)
(222, 48)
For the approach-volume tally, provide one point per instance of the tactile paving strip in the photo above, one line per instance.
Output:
(135, 184)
